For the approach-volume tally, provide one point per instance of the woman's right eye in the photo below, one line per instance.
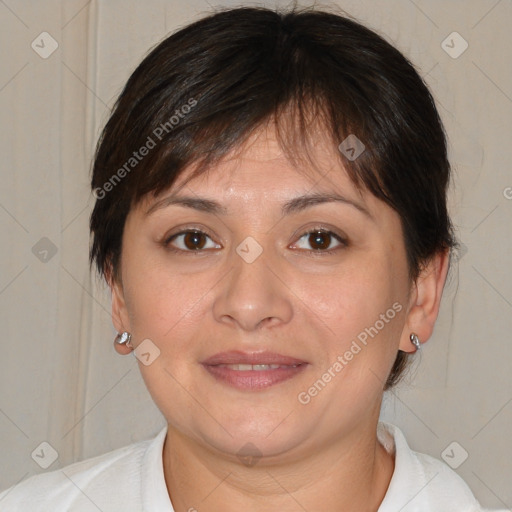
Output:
(190, 241)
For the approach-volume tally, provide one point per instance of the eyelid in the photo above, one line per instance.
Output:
(342, 239)
(324, 228)
(184, 230)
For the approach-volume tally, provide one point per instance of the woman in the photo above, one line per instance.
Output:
(271, 218)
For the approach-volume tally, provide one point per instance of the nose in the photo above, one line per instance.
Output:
(253, 294)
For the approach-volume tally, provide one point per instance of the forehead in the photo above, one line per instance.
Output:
(259, 170)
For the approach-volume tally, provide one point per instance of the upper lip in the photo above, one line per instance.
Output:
(240, 357)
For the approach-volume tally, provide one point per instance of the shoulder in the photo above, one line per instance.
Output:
(422, 483)
(91, 484)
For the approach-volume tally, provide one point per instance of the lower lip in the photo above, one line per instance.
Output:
(254, 379)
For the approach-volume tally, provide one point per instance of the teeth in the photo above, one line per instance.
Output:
(255, 367)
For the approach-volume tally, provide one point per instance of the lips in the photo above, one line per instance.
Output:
(252, 370)
(253, 367)
(252, 358)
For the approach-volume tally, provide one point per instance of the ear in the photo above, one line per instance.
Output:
(425, 301)
(120, 317)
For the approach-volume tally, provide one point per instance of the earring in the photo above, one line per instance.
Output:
(415, 341)
(124, 338)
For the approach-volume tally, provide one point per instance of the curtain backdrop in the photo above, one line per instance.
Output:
(64, 63)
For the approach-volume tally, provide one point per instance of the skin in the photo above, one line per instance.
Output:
(323, 455)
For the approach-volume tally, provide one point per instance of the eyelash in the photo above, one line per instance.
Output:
(316, 252)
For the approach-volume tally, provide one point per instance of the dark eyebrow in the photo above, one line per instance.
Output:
(294, 205)
(300, 203)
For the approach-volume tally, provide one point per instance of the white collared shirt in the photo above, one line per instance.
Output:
(131, 479)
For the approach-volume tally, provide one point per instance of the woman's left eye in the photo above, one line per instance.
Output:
(320, 241)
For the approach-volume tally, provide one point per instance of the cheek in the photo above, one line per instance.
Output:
(158, 299)
(163, 308)
(363, 309)
(352, 298)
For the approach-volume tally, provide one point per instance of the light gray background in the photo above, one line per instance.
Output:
(60, 379)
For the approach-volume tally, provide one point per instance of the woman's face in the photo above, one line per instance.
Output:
(258, 282)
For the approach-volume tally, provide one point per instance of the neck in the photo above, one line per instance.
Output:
(349, 475)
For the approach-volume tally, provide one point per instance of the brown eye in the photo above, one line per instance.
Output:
(320, 240)
(194, 240)
(189, 241)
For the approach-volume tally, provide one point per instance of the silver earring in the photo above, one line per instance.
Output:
(124, 338)
(415, 341)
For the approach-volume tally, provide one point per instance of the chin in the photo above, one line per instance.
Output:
(256, 436)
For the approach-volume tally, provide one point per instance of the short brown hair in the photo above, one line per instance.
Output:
(205, 89)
